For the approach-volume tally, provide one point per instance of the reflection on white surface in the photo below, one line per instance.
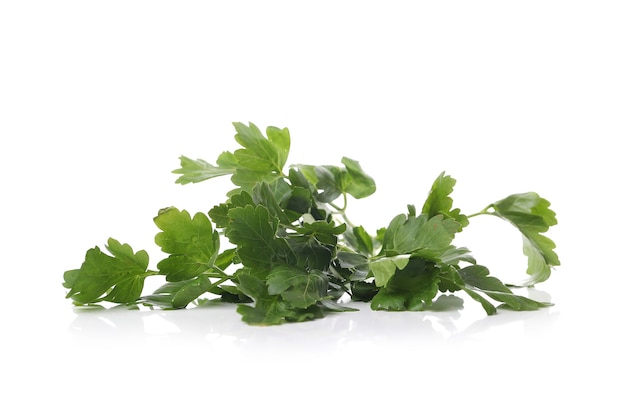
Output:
(219, 326)
(447, 360)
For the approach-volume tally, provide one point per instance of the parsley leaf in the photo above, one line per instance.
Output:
(333, 181)
(419, 235)
(357, 183)
(261, 158)
(299, 287)
(411, 288)
(176, 295)
(476, 278)
(270, 309)
(385, 268)
(259, 153)
(254, 230)
(118, 277)
(294, 255)
(531, 215)
(192, 243)
(440, 202)
(197, 170)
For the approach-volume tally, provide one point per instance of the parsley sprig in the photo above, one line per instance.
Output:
(292, 254)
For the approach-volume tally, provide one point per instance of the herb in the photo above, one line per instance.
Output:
(293, 254)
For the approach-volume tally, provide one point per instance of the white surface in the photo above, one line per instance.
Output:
(98, 100)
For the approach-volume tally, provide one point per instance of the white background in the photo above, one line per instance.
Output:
(99, 99)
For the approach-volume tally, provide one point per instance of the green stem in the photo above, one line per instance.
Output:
(222, 280)
(483, 211)
(341, 211)
(220, 274)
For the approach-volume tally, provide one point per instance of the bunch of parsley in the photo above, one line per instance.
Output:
(292, 253)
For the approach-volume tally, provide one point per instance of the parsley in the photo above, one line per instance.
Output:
(293, 254)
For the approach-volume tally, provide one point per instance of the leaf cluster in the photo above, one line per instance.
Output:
(281, 246)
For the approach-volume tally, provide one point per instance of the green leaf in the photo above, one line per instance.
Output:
(333, 181)
(427, 237)
(328, 179)
(516, 302)
(334, 306)
(197, 170)
(253, 231)
(390, 301)
(269, 309)
(219, 215)
(177, 295)
(303, 176)
(364, 291)
(225, 258)
(258, 153)
(299, 287)
(412, 288)
(439, 201)
(192, 243)
(477, 278)
(246, 179)
(359, 240)
(314, 244)
(351, 266)
(281, 140)
(261, 159)
(241, 199)
(385, 268)
(531, 215)
(271, 198)
(310, 253)
(357, 183)
(298, 203)
(229, 294)
(489, 308)
(323, 231)
(454, 255)
(117, 278)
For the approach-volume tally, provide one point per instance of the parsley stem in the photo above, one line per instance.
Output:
(483, 211)
(221, 281)
(220, 274)
(342, 210)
